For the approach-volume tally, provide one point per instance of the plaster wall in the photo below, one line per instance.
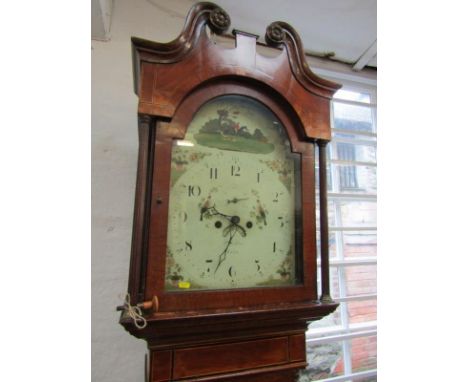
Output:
(117, 356)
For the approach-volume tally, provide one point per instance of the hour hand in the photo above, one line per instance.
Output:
(231, 230)
(206, 211)
(212, 211)
(235, 200)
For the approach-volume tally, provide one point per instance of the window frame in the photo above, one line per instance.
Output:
(345, 331)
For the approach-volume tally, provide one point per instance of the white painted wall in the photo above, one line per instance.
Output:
(117, 356)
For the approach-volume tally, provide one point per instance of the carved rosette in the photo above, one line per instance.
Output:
(281, 33)
(274, 34)
(219, 20)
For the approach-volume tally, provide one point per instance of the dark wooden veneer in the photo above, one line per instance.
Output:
(247, 335)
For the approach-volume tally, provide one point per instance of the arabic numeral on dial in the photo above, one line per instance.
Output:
(183, 216)
(275, 200)
(235, 170)
(188, 245)
(257, 263)
(213, 173)
(274, 246)
(194, 190)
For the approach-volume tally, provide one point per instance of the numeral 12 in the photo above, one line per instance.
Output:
(235, 171)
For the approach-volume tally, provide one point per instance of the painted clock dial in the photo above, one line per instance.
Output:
(235, 188)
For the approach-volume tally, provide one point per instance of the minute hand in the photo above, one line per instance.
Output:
(231, 230)
(222, 255)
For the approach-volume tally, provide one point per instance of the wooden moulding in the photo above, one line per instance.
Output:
(167, 329)
(242, 359)
(141, 211)
(165, 73)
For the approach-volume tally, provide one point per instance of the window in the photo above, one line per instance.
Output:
(348, 179)
(342, 346)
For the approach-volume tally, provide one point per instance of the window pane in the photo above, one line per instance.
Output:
(360, 244)
(345, 151)
(358, 214)
(364, 178)
(360, 279)
(332, 237)
(350, 95)
(354, 152)
(325, 360)
(353, 213)
(348, 178)
(364, 354)
(352, 118)
(361, 311)
(355, 244)
(354, 137)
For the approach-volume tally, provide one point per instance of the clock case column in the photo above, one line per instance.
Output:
(142, 209)
(258, 340)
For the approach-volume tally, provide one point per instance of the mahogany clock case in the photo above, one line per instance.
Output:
(187, 330)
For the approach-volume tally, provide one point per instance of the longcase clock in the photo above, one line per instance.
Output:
(224, 251)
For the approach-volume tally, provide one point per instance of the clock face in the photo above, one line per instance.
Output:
(232, 209)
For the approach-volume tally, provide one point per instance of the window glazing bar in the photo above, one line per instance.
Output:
(355, 261)
(355, 377)
(366, 325)
(359, 327)
(353, 132)
(361, 297)
(340, 337)
(339, 229)
(357, 197)
(352, 141)
(354, 103)
(353, 163)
